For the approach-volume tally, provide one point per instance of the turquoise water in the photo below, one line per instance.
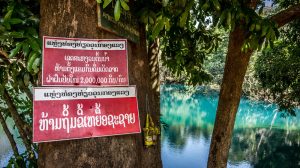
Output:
(261, 137)
(5, 148)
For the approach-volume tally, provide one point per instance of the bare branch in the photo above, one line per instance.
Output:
(9, 135)
(4, 56)
(3, 53)
(287, 15)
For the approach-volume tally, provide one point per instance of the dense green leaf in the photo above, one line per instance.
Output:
(216, 4)
(17, 34)
(252, 27)
(106, 2)
(257, 27)
(34, 44)
(228, 21)
(13, 21)
(165, 2)
(6, 25)
(8, 14)
(264, 30)
(32, 32)
(117, 10)
(183, 18)
(35, 65)
(15, 50)
(26, 79)
(26, 49)
(124, 5)
(32, 57)
(158, 27)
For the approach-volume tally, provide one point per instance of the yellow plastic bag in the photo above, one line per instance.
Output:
(151, 132)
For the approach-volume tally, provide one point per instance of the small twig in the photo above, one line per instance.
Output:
(3, 53)
(4, 56)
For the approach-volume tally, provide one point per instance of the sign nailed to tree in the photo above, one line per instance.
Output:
(78, 113)
(72, 61)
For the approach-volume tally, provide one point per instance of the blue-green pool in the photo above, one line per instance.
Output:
(261, 137)
(5, 148)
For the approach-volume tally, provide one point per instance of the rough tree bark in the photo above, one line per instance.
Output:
(9, 135)
(235, 69)
(231, 88)
(74, 18)
(153, 54)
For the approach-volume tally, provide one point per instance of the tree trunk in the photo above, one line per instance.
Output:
(74, 18)
(230, 93)
(9, 135)
(153, 54)
(14, 112)
(231, 88)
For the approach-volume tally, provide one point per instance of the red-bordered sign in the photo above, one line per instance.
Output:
(78, 112)
(74, 61)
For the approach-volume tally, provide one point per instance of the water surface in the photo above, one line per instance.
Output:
(261, 137)
(5, 148)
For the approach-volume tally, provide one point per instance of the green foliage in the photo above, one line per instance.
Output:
(184, 48)
(230, 14)
(19, 33)
(184, 45)
(278, 69)
(286, 3)
(188, 33)
(187, 29)
(20, 59)
(215, 61)
(276, 74)
(22, 161)
(117, 6)
(19, 39)
(184, 41)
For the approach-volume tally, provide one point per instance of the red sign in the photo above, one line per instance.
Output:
(71, 61)
(76, 113)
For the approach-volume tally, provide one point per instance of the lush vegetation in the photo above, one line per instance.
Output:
(273, 72)
(278, 69)
(20, 58)
(195, 36)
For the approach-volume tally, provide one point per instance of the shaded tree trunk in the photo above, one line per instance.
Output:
(231, 88)
(79, 19)
(153, 54)
(230, 93)
(9, 135)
